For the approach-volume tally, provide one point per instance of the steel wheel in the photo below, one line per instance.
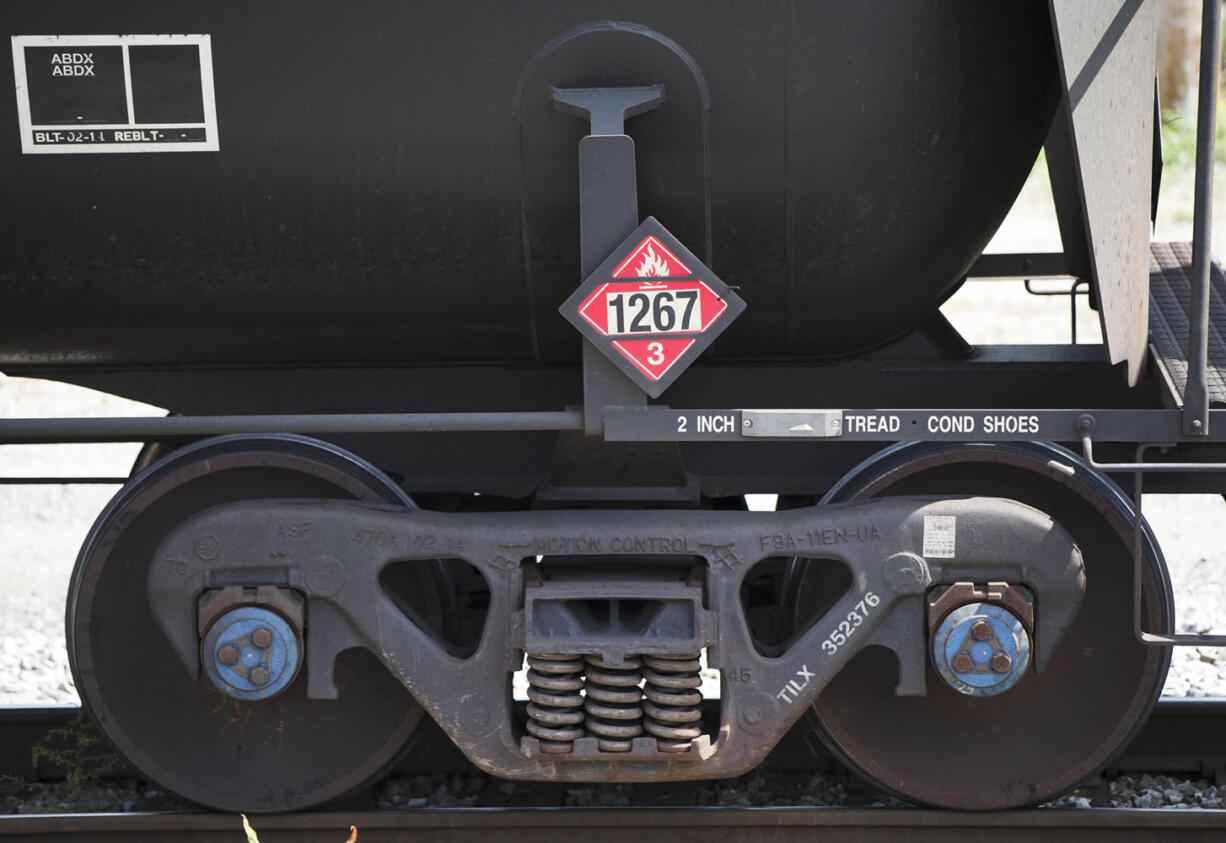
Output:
(1051, 731)
(284, 753)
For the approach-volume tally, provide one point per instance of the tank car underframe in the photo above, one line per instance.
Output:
(1112, 427)
(332, 553)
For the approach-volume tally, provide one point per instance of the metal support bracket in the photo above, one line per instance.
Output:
(1153, 639)
(1085, 427)
(1138, 468)
(608, 212)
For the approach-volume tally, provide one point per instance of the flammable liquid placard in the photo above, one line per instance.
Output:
(652, 307)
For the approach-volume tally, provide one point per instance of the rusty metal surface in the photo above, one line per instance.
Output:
(1055, 727)
(646, 825)
(967, 592)
(281, 755)
(1170, 287)
(1103, 162)
(880, 540)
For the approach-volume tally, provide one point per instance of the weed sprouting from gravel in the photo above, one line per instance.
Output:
(253, 837)
(80, 771)
(86, 761)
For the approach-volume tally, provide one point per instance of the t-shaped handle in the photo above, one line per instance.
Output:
(608, 109)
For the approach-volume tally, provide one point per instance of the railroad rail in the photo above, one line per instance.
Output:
(1182, 737)
(647, 825)
(1186, 736)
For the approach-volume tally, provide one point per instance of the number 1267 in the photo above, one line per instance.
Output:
(654, 312)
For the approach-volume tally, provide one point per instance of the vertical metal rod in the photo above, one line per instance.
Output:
(1196, 400)
(1138, 545)
(608, 212)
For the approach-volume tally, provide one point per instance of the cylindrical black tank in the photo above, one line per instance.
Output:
(393, 185)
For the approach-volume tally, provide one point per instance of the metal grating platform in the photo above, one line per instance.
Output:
(1169, 286)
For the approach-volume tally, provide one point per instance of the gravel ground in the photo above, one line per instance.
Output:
(757, 790)
(477, 790)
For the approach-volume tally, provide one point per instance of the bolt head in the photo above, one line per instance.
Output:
(981, 630)
(962, 663)
(1001, 662)
(262, 637)
(227, 654)
(258, 675)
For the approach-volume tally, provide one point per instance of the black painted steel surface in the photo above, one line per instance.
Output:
(393, 183)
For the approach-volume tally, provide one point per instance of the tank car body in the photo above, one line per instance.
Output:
(364, 158)
(347, 248)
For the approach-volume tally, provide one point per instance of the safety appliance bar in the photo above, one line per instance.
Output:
(1196, 414)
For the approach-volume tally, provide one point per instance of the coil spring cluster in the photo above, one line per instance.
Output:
(614, 704)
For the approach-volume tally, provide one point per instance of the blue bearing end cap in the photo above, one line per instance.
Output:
(251, 653)
(981, 649)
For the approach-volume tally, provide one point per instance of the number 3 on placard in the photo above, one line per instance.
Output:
(657, 353)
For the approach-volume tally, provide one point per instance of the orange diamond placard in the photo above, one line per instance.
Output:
(652, 307)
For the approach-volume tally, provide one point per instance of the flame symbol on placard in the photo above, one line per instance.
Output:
(653, 266)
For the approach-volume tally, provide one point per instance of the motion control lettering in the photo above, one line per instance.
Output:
(617, 544)
(72, 64)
